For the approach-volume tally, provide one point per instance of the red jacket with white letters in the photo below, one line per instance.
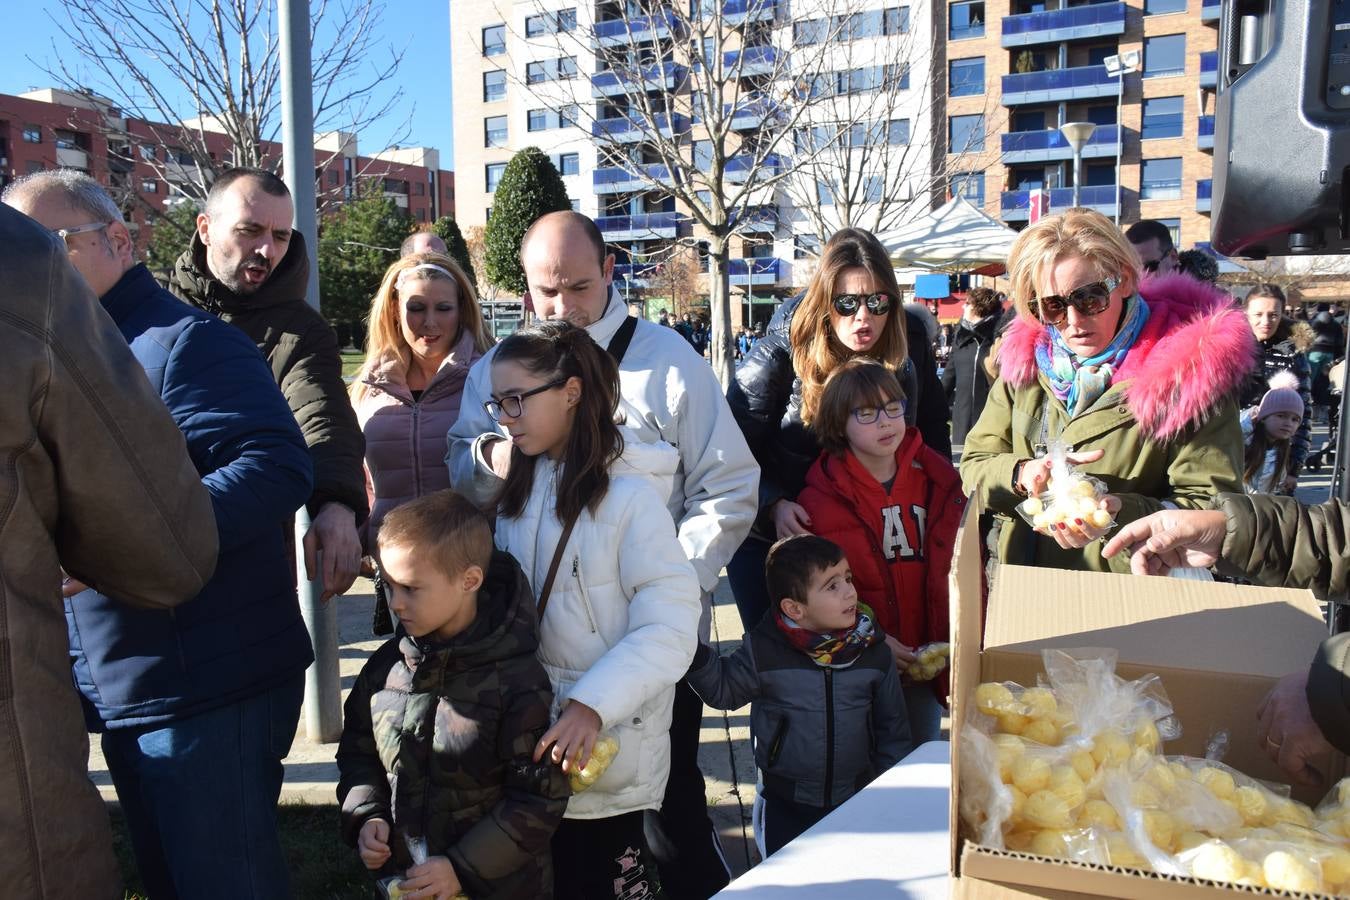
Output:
(899, 543)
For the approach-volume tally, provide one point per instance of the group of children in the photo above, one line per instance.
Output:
(466, 760)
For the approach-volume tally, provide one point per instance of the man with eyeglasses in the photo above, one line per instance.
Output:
(198, 706)
(1152, 240)
(667, 393)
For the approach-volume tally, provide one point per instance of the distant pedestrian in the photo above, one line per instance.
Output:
(965, 378)
(1267, 434)
(1282, 345)
(423, 241)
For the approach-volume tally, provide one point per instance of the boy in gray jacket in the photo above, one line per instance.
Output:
(825, 702)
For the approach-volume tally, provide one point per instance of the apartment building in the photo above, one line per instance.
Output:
(544, 73)
(1142, 71)
(50, 128)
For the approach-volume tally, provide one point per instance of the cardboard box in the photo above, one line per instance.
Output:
(1217, 647)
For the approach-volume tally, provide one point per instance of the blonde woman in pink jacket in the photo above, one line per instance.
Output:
(426, 330)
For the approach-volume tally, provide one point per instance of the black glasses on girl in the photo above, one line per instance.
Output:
(866, 415)
(1090, 300)
(849, 304)
(514, 404)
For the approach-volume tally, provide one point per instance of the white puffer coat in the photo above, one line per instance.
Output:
(622, 620)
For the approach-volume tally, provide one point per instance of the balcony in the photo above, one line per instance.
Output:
(665, 76)
(748, 272)
(619, 32)
(741, 169)
(751, 112)
(1049, 145)
(1015, 205)
(735, 12)
(72, 158)
(1052, 26)
(646, 227)
(756, 219)
(626, 179)
(1054, 85)
(1205, 140)
(625, 130)
(1209, 69)
(752, 60)
(1203, 194)
(1209, 10)
(637, 275)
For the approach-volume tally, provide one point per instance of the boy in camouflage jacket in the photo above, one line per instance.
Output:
(443, 720)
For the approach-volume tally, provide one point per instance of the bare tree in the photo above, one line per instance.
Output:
(675, 279)
(224, 56)
(477, 244)
(716, 91)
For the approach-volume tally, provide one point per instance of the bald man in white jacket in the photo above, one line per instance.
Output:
(668, 393)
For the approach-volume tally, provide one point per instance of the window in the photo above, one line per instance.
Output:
(1174, 226)
(967, 77)
(494, 40)
(576, 205)
(1029, 120)
(534, 72)
(703, 154)
(487, 214)
(569, 164)
(494, 85)
(824, 193)
(536, 26)
(965, 20)
(966, 133)
(696, 107)
(536, 120)
(1099, 174)
(895, 20)
(969, 185)
(569, 116)
(560, 69)
(149, 186)
(32, 134)
(419, 189)
(1101, 115)
(1097, 55)
(1162, 7)
(567, 20)
(334, 178)
(1162, 118)
(805, 246)
(494, 131)
(560, 22)
(873, 188)
(34, 165)
(1161, 179)
(897, 132)
(809, 32)
(493, 173)
(1164, 55)
(148, 152)
(67, 140)
(567, 68)
(421, 214)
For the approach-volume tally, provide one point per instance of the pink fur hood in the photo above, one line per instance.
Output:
(1195, 352)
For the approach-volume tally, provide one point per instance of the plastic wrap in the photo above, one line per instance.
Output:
(1069, 496)
(929, 661)
(602, 754)
(392, 887)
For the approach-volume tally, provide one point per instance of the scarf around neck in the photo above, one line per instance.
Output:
(834, 649)
(1079, 383)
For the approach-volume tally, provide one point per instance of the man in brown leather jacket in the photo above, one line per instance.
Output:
(1278, 542)
(96, 479)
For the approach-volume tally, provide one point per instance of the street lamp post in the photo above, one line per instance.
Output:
(1077, 134)
(1118, 66)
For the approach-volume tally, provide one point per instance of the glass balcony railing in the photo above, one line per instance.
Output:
(1052, 139)
(1209, 68)
(750, 58)
(665, 221)
(1086, 81)
(610, 176)
(634, 271)
(637, 125)
(742, 270)
(1097, 19)
(739, 9)
(740, 168)
(1092, 195)
(652, 77)
(1204, 190)
(1209, 10)
(658, 25)
(750, 110)
(1205, 134)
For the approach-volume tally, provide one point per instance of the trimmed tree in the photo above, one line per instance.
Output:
(356, 246)
(530, 187)
(171, 235)
(448, 229)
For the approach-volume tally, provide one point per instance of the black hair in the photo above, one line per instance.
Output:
(793, 561)
(1146, 229)
(268, 181)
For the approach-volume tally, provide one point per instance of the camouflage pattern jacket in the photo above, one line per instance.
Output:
(438, 740)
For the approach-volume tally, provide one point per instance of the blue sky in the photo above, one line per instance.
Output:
(420, 27)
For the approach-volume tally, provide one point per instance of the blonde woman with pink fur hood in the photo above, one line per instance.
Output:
(1138, 378)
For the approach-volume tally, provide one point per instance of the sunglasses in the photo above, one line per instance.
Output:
(1089, 300)
(866, 415)
(849, 304)
(513, 405)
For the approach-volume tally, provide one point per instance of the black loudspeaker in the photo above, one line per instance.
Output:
(1282, 128)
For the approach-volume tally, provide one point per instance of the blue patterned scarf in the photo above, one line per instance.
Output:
(1079, 383)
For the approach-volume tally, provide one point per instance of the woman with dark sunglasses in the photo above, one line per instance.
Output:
(851, 308)
(1136, 378)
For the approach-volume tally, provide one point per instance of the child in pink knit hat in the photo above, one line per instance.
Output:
(1267, 430)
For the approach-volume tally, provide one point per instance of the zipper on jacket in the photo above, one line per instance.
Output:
(417, 448)
(585, 597)
(829, 737)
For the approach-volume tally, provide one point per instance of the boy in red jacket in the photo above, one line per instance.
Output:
(894, 505)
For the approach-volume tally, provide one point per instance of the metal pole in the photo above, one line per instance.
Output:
(1077, 164)
(323, 689)
(1120, 137)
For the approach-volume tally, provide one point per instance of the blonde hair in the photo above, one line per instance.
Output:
(816, 351)
(384, 340)
(444, 528)
(1083, 233)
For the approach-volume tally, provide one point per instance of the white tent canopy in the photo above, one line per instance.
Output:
(956, 236)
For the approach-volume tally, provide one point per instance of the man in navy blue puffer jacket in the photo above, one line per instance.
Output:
(198, 705)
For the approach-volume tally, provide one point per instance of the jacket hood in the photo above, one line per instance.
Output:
(657, 462)
(844, 476)
(505, 626)
(1195, 352)
(391, 375)
(287, 283)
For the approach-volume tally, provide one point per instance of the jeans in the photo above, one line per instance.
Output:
(200, 797)
(925, 713)
(745, 573)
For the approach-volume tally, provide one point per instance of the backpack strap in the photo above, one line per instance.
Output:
(618, 345)
(547, 589)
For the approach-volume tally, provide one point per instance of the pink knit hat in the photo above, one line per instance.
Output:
(1283, 396)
